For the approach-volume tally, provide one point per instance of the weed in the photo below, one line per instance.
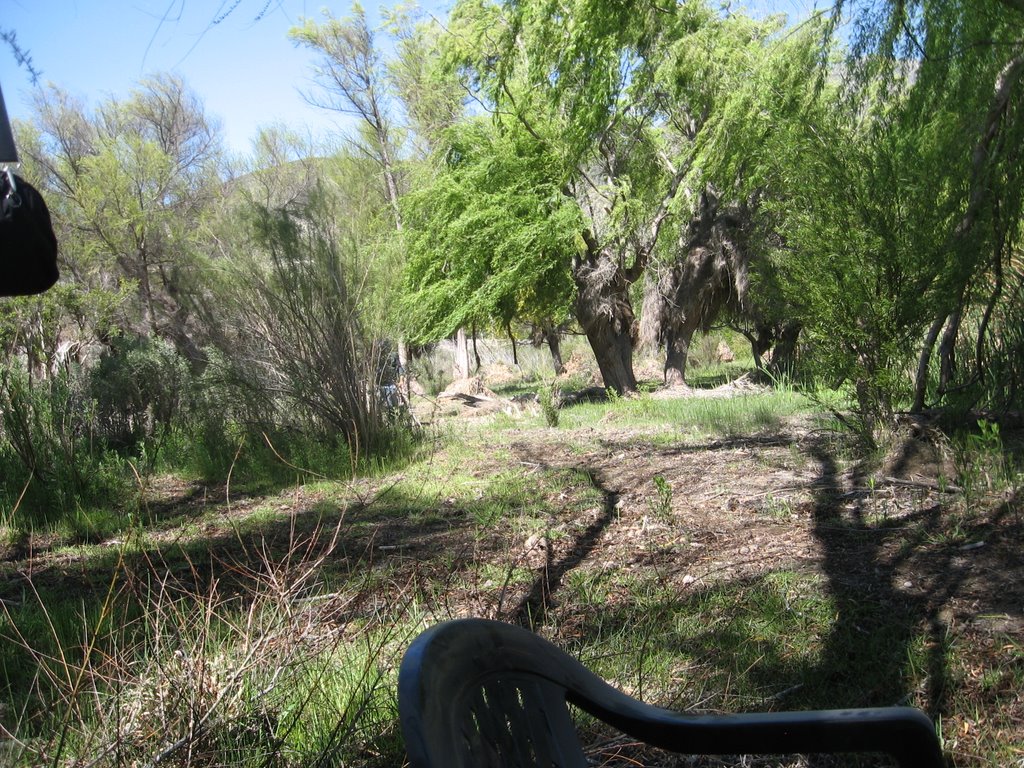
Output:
(548, 398)
(980, 462)
(777, 507)
(167, 669)
(661, 503)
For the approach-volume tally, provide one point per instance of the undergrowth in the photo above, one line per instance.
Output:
(269, 632)
(267, 663)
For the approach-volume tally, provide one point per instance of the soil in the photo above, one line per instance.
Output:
(896, 532)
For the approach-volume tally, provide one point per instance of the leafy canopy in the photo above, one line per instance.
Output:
(491, 238)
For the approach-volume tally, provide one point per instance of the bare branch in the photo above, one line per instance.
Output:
(21, 56)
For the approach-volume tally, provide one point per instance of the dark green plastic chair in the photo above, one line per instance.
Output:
(485, 694)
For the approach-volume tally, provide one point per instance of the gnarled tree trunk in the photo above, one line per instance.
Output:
(603, 305)
(709, 275)
(605, 313)
(554, 341)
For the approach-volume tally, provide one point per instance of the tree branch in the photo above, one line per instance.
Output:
(1008, 77)
(643, 252)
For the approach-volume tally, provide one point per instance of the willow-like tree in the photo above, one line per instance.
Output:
(490, 238)
(904, 222)
(579, 79)
(961, 99)
(750, 83)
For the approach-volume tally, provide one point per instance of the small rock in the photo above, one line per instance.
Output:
(536, 542)
(688, 579)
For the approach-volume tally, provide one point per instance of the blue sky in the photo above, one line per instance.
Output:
(244, 68)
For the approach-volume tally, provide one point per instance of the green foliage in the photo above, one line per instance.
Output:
(757, 87)
(547, 396)
(430, 95)
(140, 385)
(126, 184)
(853, 271)
(490, 238)
(661, 504)
(981, 462)
(53, 463)
(953, 128)
(564, 68)
(294, 334)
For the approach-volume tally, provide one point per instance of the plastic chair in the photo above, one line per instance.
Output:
(481, 693)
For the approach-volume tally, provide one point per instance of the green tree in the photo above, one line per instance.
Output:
(491, 238)
(294, 305)
(128, 183)
(355, 78)
(735, 88)
(579, 80)
(949, 75)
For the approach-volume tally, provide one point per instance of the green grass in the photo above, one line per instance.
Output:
(691, 417)
(756, 644)
(290, 647)
(233, 674)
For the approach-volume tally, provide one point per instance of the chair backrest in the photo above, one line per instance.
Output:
(477, 693)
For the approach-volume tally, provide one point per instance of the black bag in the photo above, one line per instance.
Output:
(28, 247)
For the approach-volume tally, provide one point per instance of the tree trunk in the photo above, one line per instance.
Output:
(461, 355)
(761, 339)
(709, 275)
(677, 349)
(924, 362)
(515, 348)
(551, 336)
(614, 353)
(404, 381)
(603, 306)
(947, 350)
(476, 352)
(783, 361)
(604, 312)
(652, 334)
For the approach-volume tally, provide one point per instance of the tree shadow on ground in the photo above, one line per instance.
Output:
(532, 609)
(902, 589)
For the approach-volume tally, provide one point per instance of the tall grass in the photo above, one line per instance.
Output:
(264, 665)
(279, 645)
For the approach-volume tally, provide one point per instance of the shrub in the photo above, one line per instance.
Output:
(52, 460)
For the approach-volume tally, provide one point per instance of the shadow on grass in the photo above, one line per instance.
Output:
(877, 628)
(383, 549)
(532, 610)
(894, 587)
(872, 630)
